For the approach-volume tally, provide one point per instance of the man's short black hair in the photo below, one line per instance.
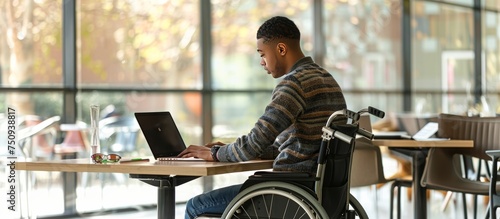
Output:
(278, 27)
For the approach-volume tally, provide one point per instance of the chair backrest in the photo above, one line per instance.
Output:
(335, 179)
(39, 127)
(119, 134)
(484, 131)
(34, 134)
(443, 168)
(367, 167)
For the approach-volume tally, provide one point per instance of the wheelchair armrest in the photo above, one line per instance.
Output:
(282, 175)
(302, 179)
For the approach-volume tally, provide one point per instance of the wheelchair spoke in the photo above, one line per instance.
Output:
(296, 212)
(244, 211)
(265, 206)
(286, 208)
(304, 213)
(254, 208)
(270, 206)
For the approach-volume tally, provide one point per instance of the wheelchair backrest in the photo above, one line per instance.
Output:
(336, 170)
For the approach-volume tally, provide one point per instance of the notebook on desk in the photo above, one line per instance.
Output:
(162, 135)
(425, 133)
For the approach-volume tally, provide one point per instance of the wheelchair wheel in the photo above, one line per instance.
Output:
(357, 207)
(274, 200)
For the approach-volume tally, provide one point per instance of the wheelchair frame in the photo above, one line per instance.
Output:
(302, 195)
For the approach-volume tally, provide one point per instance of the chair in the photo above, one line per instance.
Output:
(443, 169)
(367, 167)
(75, 141)
(36, 139)
(118, 134)
(494, 195)
(323, 195)
(39, 137)
(287, 194)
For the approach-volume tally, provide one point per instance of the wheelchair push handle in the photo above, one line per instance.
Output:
(329, 133)
(376, 112)
(372, 111)
(346, 138)
(354, 116)
(365, 133)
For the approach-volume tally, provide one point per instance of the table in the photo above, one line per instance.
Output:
(165, 175)
(414, 148)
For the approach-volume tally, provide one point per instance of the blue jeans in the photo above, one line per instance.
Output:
(214, 201)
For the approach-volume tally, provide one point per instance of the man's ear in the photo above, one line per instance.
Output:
(281, 47)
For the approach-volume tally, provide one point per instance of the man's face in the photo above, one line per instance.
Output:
(270, 58)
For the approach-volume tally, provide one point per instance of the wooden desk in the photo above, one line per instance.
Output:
(165, 175)
(403, 143)
(414, 149)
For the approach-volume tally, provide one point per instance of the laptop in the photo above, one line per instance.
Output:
(162, 135)
(425, 133)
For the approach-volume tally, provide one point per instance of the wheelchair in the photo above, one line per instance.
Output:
(304, 195)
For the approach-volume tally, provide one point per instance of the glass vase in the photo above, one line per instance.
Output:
(94, 129)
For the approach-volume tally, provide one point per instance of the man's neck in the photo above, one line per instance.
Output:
(293, 59)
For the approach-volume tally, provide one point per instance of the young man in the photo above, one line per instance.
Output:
(289, 131)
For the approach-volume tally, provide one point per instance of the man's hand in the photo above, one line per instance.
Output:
(198, 152)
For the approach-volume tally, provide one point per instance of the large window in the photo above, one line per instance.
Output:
(140, 45)
(30, 54)
(442, 39)
(491, 45)
(235, 61)
(138, 56)
(444, 58)
(151, 55)
(363, 51)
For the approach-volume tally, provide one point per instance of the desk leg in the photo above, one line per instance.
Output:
(166, 191)
(419, 192)
(166, 200)
(69, 188)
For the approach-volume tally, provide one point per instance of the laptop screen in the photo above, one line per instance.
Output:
(161, 133)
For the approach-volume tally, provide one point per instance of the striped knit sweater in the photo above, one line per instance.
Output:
(300, 106)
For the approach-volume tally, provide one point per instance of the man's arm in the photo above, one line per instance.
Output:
(285, 107)
(270, 153)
